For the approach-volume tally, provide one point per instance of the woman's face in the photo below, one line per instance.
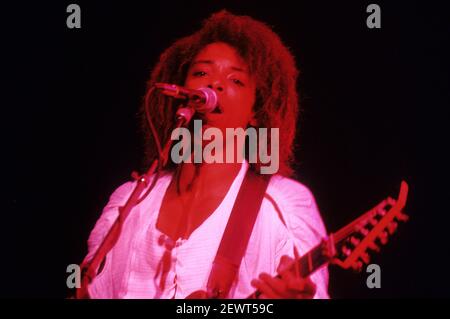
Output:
(218, 66)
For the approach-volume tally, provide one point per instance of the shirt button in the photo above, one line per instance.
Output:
(180, 242)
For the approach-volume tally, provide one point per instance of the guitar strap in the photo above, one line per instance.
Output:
(237, 234)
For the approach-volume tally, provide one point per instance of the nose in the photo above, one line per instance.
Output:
(216, 86)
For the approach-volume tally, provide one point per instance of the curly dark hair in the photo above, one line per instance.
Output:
(270, 63)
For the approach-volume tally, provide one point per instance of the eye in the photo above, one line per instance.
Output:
(238, 82)
(199, 73)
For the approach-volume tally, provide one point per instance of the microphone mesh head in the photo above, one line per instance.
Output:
(210, 102)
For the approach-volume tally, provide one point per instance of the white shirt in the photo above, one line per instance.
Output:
(145, 263)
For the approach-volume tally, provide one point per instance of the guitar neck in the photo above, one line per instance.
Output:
(321, 254)
(376, 223)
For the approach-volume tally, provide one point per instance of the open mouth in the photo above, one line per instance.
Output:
(218, 110)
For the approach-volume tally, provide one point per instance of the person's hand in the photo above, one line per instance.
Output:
(289, 286)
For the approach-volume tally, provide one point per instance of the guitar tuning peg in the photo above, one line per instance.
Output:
(365, 257)
(364, 231)
(391, 201)
(392, 227)
(357, 266)
(380, 210)
(381, 213)
(374, 247)
(383, 237)
(402, 217)
(373, 222)
(346, 251)
(354, 241)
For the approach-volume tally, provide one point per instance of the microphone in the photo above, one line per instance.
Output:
(203, 100)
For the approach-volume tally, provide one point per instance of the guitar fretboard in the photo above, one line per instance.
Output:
(306, 265)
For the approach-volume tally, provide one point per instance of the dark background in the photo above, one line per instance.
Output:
(373, 113)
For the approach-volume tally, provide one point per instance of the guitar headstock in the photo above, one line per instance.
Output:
(369, 232)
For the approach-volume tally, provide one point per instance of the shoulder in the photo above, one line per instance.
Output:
(109, 214)
(291, 191)
(117, 199)
(121, 193)
(297, 205)
(303, 221)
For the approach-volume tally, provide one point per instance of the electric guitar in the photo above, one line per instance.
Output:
(348, 247)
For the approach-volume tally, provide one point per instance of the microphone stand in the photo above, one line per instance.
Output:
(89, 269)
